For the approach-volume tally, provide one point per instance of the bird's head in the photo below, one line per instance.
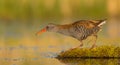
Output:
(50, 28)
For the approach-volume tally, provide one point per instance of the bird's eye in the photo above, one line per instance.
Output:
(47, 27)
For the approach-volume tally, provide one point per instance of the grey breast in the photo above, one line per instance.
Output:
(64, 32)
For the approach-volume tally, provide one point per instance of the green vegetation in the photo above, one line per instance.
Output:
(41, 9)
(98, 52)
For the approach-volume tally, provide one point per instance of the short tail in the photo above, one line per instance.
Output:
(101, 22)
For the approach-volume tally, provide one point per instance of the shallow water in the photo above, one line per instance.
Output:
(33, 55)
(24, 55)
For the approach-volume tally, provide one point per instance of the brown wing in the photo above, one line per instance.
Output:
(86, 23)
(89, 23)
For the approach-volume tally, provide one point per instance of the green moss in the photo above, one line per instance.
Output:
(98, 52)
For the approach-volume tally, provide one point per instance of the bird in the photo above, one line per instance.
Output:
(79, 30)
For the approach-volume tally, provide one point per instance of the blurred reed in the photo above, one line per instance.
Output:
(44, 9)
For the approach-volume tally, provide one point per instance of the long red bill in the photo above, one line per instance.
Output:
(41, 31)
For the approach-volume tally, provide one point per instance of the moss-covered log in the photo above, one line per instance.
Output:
(98, 52)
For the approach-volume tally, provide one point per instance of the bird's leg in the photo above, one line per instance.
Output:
(81, 44)
(94, 44)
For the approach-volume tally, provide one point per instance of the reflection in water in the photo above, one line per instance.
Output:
(78, 61)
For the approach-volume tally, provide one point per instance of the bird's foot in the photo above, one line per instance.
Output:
(76, 47)
(93, 46)
(81, 45)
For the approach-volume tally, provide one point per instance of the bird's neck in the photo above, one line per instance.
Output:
(64, 29)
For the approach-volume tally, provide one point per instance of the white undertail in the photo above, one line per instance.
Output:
(102, 23)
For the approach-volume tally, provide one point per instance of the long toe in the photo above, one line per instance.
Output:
(74, 48)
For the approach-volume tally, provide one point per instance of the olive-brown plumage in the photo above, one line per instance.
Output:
(80, 29)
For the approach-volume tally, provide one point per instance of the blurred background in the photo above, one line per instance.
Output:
(21, 19)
